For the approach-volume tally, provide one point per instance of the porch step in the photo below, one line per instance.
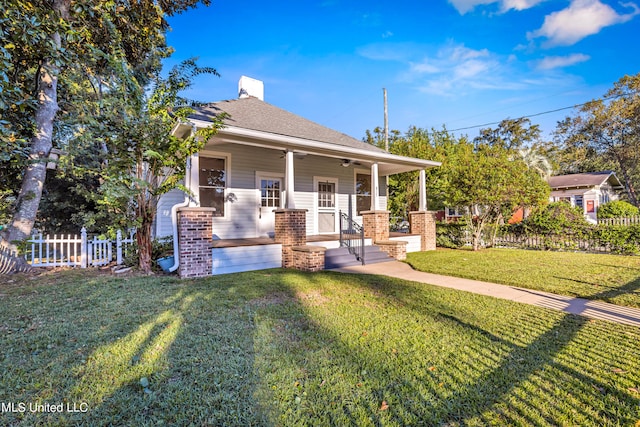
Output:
(340, 257)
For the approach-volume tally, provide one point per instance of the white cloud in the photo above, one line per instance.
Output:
(551, 62)
(425, 67)
(387, 34)
(454, 70)
(464, 6)
(581, 19)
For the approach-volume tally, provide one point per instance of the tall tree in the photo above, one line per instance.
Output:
(145, 161)
(81, 46)
(605, 133)
(511, 134)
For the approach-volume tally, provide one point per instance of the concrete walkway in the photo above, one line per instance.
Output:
(583, 307)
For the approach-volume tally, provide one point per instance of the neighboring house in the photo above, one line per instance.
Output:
(586, 190)
(450, 214)
(266, 158)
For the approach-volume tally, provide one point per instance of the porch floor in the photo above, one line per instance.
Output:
(255, 241)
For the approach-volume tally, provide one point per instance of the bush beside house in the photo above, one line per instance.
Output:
(556, 226)
(617, 209)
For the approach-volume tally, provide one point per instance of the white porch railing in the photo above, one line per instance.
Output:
(76, 251)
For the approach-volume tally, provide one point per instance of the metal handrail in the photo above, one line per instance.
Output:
(352, 236)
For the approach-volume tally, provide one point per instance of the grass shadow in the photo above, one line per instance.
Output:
(288, 348)
(509, 385)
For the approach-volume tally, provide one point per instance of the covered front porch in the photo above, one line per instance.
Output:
(202, 255)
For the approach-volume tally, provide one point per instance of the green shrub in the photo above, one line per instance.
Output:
(451, 235)
(555, 218)
(160, 247)
(617, 209)
(619, 239)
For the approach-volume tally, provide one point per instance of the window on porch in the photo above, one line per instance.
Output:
(213, 181)
(326, 195)
(363, 193)
(270, 193)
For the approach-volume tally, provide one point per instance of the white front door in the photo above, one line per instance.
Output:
(270, 198)
(326, 205)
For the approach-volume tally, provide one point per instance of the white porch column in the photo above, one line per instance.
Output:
(192, 179)
(423, 192)
(375, 191)
(289, 179)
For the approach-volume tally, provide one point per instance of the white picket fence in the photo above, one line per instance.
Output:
(620, 221)
(76, 251)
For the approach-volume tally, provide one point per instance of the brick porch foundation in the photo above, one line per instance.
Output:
(308, 258)
(376, 225)
(424, 224)
(290, 231)
(195, 231)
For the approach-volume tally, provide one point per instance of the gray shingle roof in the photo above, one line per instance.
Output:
(587, 179)
(251, 113)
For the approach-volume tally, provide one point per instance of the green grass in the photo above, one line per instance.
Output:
(287, 348)
(609, 278)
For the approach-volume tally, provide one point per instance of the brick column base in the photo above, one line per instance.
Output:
(290, 231)
(394, 248)
(424, 224)
(195, 231)
(376, 225)
(308, 258)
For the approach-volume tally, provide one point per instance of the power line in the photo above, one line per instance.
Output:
(544, 112)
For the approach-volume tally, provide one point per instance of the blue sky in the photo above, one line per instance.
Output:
(458, 63)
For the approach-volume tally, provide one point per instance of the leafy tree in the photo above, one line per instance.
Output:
(376, 137)
(617, 209)
(404, 189)
(605, 134)
(511, 134)
(488, 178)
(145, 161)
(491, 184)
(50, 53)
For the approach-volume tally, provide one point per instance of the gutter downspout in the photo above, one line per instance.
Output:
(174, 218)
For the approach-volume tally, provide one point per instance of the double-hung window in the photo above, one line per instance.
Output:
(213, 182)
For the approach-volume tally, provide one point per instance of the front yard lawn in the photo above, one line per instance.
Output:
(287, 348)
(609, 278)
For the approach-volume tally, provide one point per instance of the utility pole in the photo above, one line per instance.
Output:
(386, 121)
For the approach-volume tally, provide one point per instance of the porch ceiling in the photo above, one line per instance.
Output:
(388, 164)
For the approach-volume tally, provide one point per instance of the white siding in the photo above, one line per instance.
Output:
(242, 205)
(246, 258)
(242, 208)
(413, 242)
(163, 225)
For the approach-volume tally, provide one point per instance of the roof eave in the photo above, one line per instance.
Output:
(392, 163)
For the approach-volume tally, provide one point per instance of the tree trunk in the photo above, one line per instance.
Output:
(143, 238)
(41, 143)
(628, 185)
(146, 211)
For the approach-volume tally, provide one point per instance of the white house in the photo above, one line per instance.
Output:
(266, 158)
(586, 190)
